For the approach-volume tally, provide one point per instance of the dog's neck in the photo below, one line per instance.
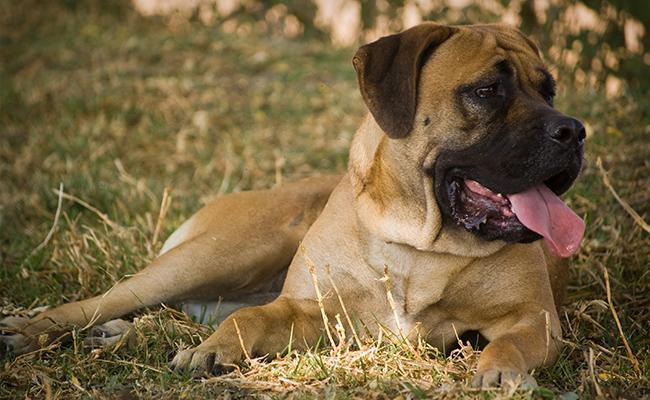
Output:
(395, 201)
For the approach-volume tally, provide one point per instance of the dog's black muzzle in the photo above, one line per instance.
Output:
(545, 149)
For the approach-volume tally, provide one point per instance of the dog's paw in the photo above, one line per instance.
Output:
(13, 338)
(203, 360)
(503, 377)
(110, 333)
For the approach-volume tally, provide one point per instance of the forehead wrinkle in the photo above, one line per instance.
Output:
(466, 56)
(511, 45)
(486, 44)
(515, 41)
(528, 73)
(521, 54)
(484, 48)
(493, 68)
(490, 69)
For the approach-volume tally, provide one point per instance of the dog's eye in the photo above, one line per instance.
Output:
(549, 99)
(488, 91)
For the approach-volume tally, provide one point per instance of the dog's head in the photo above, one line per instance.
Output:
(463, 138)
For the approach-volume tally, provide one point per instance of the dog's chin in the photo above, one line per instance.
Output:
(487, 212)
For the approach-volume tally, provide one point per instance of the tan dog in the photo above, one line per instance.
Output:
(449, 107)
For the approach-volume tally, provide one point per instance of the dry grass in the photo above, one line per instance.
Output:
(118, 108)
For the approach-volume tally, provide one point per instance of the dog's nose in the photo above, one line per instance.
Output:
(566, 130)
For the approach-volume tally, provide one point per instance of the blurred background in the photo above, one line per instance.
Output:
(601, 43)
(144, 110)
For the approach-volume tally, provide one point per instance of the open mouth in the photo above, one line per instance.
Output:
(473, 205)
(524, 216)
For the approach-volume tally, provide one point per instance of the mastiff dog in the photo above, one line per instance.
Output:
(452, 190)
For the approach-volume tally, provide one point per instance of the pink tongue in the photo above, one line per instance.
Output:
(541, 211)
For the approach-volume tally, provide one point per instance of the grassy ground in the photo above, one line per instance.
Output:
(118, 108)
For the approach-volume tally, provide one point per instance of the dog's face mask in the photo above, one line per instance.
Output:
(471, 140)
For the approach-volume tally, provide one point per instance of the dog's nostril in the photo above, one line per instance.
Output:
(567, 130)
(562, 134)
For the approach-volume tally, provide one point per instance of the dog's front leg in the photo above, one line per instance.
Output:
(253, 332)
(519, 342)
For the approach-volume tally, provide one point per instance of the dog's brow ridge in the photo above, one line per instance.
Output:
(548, 83)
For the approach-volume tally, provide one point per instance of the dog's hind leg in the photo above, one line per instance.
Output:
(110, 333)
(239, 245)
(191, 270)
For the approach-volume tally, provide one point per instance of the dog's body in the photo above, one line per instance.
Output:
(396, 212)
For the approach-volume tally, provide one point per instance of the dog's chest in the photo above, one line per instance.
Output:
(417, 280)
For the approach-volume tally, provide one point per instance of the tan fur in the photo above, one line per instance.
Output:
(382, 213)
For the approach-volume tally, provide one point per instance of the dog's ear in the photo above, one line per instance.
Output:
(388, 71)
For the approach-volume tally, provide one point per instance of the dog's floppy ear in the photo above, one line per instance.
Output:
(388, 71)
